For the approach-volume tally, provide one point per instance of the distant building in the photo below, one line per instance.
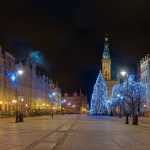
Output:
(76, 103)
(106, 67)
(145, 77)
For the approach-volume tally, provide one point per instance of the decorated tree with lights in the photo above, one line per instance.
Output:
(135, 97)
(118, 98)
(99, 97)
(131, 94)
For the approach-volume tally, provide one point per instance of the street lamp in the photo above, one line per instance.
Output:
(52, 98)
(53, 93)
(20, 72)
(63, 102)
(13, 78)
(124, 73)
(144, 108)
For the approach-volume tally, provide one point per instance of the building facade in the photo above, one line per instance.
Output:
(1, 79)
(106, 68)
(145, 77)
(76, 103)
(28, 92)
(9, 103)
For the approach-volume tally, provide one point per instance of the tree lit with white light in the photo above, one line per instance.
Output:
(99, 97)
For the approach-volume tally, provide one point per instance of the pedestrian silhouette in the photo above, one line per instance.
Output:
(17, 116)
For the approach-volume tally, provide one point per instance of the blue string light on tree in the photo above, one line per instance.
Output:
(99, 97)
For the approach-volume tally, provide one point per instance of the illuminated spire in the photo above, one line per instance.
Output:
(106, 54)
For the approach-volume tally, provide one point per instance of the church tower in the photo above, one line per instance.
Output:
(106, 61)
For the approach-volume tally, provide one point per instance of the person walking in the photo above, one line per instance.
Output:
(17, 116)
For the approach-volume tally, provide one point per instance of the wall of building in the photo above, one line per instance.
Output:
(27, 92)
(77, 100)
(145, 77)
(110, 85)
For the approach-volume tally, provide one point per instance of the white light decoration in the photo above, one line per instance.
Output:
(73, 106)
(99, 97)
(68, 104)
(118, 95)
(14, 101)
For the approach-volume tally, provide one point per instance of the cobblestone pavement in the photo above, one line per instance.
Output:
(74, 132)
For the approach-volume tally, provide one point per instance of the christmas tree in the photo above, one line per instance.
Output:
(99, 97)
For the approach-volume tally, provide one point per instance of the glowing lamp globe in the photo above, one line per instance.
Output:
(123, 73)
(20, 72)
(54, 94)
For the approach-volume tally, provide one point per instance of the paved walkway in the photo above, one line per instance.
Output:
(74, 132)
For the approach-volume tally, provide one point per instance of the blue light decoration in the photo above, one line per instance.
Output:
(50, 95)
(99, 97)
(121, 97)
(132, 95)
(108, 104)
(37, 57)
(12, 76)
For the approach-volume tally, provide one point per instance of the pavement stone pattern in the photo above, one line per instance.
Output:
(74, 132)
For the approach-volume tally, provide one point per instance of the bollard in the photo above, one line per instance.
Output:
(135, 120)
(127, 119)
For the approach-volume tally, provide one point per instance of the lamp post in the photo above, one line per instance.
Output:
(13, 77)
(124, 73)
(52, 98)
(19, 73)
(144, 109)
(62, 105)
(73, 107)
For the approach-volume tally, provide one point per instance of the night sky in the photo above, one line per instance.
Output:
(70, 34)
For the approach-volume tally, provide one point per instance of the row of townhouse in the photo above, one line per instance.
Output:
(28, 91)
(75, 103)
(145, 78)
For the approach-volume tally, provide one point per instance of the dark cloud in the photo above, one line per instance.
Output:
(71, 34)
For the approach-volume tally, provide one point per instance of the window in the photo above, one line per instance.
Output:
(9, 63)
(0, 69)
